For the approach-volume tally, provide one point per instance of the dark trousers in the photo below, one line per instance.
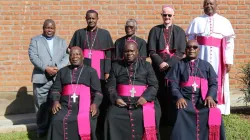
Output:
(42, 105)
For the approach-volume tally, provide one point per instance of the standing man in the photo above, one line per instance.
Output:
(215, 36)
(130, 29)
(76, 95)
(47, 53)
(166, 45)
(96, 44)
(193, 84)
(134, 112)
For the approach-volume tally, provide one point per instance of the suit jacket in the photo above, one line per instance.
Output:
(41, 57)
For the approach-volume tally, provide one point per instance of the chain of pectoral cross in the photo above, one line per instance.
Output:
(74, 96)
(131, 82)
(194, 85)
(93, 42)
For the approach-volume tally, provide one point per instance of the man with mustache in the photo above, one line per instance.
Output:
(193, 84)
(215, 36)
(134, 112)
(47, 52)
(166, 46)
(76, 95)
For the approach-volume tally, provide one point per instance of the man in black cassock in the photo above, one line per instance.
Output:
(96, 44)
(134, 113)
(166, 46)
(193, 84)
(130, 29)
(76, 95)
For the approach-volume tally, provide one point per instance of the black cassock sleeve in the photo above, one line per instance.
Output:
(180, 45)
(152, 42)
(95, 87)
(212, 82)
(56, 89)
(111, 86)
(76, 40)
(143, 49)
(173, 77)
(152, 83)
(108, 53)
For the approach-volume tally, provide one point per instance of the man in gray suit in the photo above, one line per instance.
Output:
(47, 53)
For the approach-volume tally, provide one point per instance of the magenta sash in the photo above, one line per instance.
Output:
(221, 44)
(148, 110)
(169, 52)
(96, 57)
(83, 117)
(214, 123)
(201, 82)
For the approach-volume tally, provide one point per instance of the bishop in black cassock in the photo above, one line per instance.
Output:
(193, 84)
(134, 113)
(76, 95)
(130, 29)
(166, 46)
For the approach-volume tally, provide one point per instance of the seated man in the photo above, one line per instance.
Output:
(193, 84)
(76, 94)
(134, 112)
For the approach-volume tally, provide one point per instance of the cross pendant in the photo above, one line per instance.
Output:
(132, 91)
(74, 96)
(194, 85)
(90, 54)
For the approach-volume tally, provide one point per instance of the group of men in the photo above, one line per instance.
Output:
(111, 92)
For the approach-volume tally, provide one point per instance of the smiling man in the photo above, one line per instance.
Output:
(193, 84)
(215, 36)
(76, 95)
(166, 46)
(47, 52)
(134, 112)
(130, 29)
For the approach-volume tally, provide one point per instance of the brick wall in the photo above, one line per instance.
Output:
(22, 19)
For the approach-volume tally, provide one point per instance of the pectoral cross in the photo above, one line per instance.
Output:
(74, 96)
(90, 54)
(194, 85)
(132, 91)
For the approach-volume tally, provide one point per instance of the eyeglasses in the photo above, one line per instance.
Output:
(165, 15)
(190, 47)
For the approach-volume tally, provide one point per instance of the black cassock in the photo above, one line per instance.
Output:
(118, 51)
(126, 123)
(102, 42)
(64, 123)
(158, 39)
(192, 121)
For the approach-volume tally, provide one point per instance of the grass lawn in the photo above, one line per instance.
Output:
(236, 129)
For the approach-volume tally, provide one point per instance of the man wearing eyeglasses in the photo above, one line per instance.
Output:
(166, 46)
(130, 29)
(193, 86)
(215, 36)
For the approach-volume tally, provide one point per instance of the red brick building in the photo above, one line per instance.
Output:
(22, 19)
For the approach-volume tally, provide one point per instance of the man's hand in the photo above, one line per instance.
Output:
(51, 70)
(209, 101)
(148, 59)
(93, 109)
(56, 107)
(181, 103)
(228, 67)
(141, 101)
(106, 76)
(120, 102)
(163, 66)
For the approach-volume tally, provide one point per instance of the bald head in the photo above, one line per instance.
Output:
(167, 8)
(130, 51)
(76, 56)
(167, 15)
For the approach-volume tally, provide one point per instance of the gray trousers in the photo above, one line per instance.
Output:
(42, 105)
